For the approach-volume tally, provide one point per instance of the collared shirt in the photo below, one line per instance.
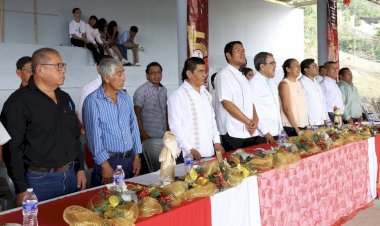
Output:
(87, 89)
(153, 102)
(192, 120)
(233, 86)
(351, 99)
(265, 96)
(110, 127)
(44, 134)
(4, 136)
(332, 94)
(124, 37)
(316, 104)
(76, 28)
(93, 35)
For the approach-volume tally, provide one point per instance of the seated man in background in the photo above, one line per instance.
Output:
(112, 131)
(128, 40)
(151, 112)
(191, 115)
(77, 29)
(352, 106)
(24, 69)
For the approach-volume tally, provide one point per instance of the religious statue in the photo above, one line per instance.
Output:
(338, 120)
(168, 155)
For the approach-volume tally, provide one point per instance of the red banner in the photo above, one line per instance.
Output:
(332, 31)
(197, 29)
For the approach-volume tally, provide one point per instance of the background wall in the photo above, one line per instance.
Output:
(260, 26)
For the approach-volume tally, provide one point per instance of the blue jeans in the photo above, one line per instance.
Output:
(47, 185)
(123, 51)
(127, 164)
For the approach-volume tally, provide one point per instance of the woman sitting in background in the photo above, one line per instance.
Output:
(95, 44)
(112, 37)
(293, 101)
(102, 26)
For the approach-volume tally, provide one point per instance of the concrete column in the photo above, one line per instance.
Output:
(181, 35)
(322, 31)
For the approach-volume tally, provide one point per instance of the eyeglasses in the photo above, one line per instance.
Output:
(27, 70)
(59, 66)
(273, 63)
(155, 73)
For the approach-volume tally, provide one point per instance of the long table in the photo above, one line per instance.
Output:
(323, 189)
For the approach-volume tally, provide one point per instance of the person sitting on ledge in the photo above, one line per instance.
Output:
(128, 41)
(77, 29)
(112, 37)
(95, 44)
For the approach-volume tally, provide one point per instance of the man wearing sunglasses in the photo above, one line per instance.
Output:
(44, 152)
(24, 69)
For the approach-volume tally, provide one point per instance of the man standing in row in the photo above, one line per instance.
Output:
(316, 104)
(352, 106)
(150, 102)
(24, 69)
(44, 151)
(265, 95)
(191, 115)
(112, 132)
(331, 91)
(236, 115)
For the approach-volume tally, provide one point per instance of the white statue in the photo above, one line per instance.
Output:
(338, 117)
(168, 155)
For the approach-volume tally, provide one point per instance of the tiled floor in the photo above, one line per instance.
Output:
(367, 217)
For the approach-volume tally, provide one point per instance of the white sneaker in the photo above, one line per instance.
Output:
(125, 62)
(137, 64)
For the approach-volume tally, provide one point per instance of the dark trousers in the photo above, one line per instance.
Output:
(127, 164)
(232, 143)
(331, 116)
(291, 131)
(97, 53)
(263, 140)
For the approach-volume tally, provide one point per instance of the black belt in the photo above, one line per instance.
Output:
(52, 169)
(121, 155)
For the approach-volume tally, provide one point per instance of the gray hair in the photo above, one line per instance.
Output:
(260, 59)
(107, 67)
(40, 57)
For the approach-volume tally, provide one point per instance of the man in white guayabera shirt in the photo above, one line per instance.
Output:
(191, 115)
(265, 96)
(316, 106)
(331, 91)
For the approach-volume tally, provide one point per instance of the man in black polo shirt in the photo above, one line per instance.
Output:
(44, 152)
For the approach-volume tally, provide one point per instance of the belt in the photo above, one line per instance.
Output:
(121, 155)
(51, 170)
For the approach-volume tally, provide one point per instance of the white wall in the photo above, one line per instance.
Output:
(260, 25)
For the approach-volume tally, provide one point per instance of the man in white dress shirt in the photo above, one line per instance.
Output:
(316, 106)
(331, 91)
(191, 115)
(236, 115)
(265, 95)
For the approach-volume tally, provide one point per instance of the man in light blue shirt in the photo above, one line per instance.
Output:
(128, 41)
(112, 132)
(352, 106)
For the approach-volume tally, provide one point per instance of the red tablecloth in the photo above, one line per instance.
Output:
(377, 145)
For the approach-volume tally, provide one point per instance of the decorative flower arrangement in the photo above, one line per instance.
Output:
(306, 146)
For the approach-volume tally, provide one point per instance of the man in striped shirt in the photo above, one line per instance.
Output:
(151, 112)
(112, 132)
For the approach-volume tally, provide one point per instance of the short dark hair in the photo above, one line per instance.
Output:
(75, 9)
(134, 29)
(306, 64)
(152, 65)
(229, 46)
(287, 64)
(245, 70)
(260, 59)
(102, 24)
(39, 57)
(190, 65)
(95, 18)
(22, 61)
(328, 63)
(343, 71)
(212, 79)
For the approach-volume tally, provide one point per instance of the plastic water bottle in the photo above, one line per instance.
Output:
(118, 177)
(30, 208)
(282, 139)
(188, 162)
